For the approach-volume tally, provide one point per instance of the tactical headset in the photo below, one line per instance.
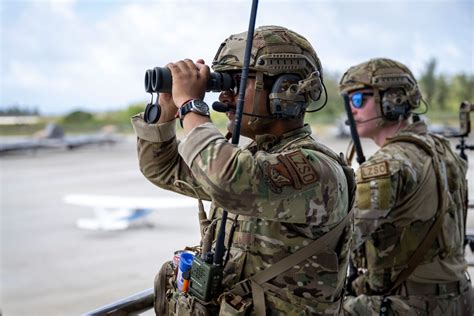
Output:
(399, 99)
(289, 95)
(395, 105)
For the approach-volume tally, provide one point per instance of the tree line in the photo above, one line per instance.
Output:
(445, 93)
(441, 92)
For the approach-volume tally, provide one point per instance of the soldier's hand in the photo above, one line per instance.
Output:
(189, 80)
(168, 108)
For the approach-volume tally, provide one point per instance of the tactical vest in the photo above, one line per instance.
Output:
(332, 255)
(386, 272)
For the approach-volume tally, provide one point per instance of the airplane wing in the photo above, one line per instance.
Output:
(72, 142)
(18, 145)
(53, 137)
(28, 145)
(119, 212)
(114, 202)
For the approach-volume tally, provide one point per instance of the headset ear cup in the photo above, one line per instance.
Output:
(387, 110)
(393, 112)
(285, 100)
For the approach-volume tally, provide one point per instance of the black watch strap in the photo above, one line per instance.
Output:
(196, 106)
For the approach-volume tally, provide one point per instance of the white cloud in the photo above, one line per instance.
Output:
(65, 8)
(64, 54)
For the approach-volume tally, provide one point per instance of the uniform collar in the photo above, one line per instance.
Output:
(268, 141)
(416, 128)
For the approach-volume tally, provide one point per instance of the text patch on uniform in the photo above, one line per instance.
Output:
(301, 171)
(374, 170)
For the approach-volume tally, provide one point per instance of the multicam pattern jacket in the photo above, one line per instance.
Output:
(282, 192)
(397, 202)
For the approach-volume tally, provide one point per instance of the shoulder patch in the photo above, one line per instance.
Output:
(292, 169)
(302, 171)
(277, 176)
(375, 170)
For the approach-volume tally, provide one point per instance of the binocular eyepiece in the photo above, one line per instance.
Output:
(159, 79)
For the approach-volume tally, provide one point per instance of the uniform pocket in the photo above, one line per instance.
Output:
(374, 198)
(186, 305)
(276, 306)
(234, 305)
(162, 287)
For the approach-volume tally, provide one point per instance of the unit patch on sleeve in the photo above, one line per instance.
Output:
(302, 172)
(374, 170)
(293, 170)
(277, 176)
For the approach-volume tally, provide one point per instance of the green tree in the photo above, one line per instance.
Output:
(442, 93)
(428, 81)
(464, 87)
(19, 110)
(135, 108)
(78, 117)
(334, 106)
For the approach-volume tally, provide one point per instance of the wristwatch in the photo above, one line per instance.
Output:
(196, 106)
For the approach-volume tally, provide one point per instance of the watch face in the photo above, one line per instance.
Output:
(200, 107)
(196, 106)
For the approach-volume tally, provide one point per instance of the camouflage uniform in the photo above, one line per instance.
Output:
(398, 199)
(282, 193)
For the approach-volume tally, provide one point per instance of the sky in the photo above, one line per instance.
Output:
(64, 55)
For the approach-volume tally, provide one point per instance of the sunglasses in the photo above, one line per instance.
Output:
(357, 98)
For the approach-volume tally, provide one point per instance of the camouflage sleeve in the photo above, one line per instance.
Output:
(291, 186)
(159, 159)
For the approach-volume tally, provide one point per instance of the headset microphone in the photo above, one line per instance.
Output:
(346, 122)
(224, 108)
(221, 107)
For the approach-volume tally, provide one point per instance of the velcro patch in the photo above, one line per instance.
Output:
(293, 170)
(363, 195)
(277, 176)
(299, 167)
(375, 170)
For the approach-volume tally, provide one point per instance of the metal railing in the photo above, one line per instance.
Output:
(132, 305)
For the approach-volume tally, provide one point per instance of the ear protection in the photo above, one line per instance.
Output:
(397, 103)
(290, 95)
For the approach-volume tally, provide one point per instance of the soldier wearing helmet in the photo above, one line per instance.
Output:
(411, 203)
(283, 192)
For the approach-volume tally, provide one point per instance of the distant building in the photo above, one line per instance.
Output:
(19, 120)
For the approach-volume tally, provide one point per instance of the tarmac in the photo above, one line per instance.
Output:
(50, 267)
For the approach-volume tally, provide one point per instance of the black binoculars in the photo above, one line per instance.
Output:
(159, 79)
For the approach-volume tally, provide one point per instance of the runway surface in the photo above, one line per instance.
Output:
(49, 266)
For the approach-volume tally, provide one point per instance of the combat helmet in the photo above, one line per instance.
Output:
(381, 75)
(276, 51)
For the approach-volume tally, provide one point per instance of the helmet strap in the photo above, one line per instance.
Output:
(253, 122)
(378, 100)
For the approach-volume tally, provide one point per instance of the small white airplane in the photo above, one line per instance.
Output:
(119, 212)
